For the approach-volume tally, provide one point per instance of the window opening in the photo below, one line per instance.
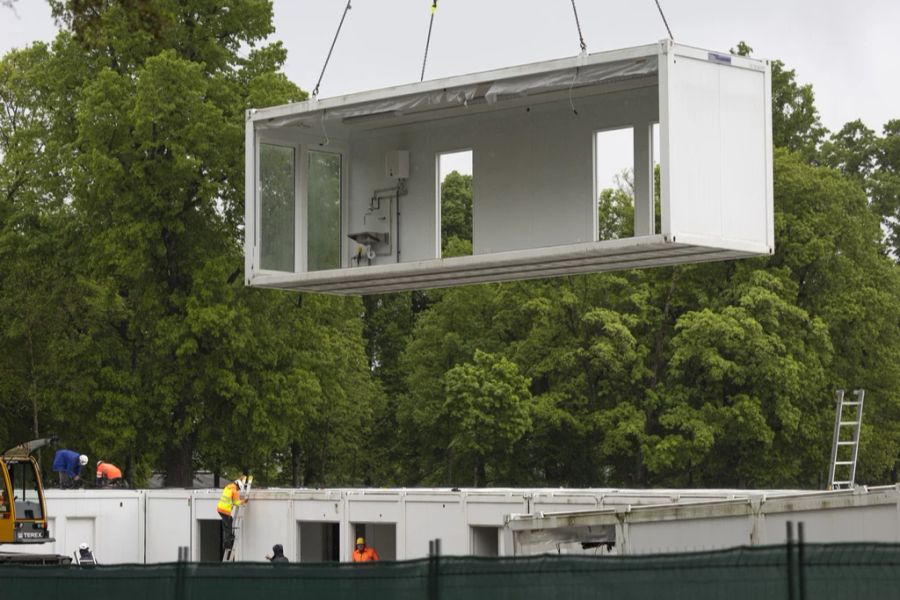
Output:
(485, 541)
(319, 541)
(614, 182)
(657, 210)
(323, 212)
(455, 202)
(25, 490)
(276, 207)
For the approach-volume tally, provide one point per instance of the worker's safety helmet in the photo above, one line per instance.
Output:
(83, 546)
(240, 483)
(360, 541)
(82, 460)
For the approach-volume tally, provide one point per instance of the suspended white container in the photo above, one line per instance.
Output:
(343, 194)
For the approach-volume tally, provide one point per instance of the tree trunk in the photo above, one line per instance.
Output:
(179, 463)
(295, 464)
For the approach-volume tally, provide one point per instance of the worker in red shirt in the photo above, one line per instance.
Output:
(363, 553)
(108, 475)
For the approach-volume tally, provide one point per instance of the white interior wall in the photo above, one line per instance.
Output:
(533, 172)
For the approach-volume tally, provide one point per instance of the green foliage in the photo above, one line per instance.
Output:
(456, 215)
(487, 406)
(125, 327)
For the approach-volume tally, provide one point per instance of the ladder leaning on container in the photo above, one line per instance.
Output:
(237, 514)
(845, 448)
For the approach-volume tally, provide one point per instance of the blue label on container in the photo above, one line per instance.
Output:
(722, 58)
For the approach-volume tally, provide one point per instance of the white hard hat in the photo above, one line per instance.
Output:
(240, 483)
(82, 460)
(83, 546)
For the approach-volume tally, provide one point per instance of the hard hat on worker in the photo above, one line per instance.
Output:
(82, 460)
(360, 541)
(83, 546)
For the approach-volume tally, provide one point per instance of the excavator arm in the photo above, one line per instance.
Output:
(24, 450)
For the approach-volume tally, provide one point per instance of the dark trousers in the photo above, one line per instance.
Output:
(65, 480)
(227, 531)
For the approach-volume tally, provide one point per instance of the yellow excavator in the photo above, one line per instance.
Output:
(23, 511)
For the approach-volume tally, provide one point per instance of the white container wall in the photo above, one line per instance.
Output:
(137, 526)
(343, 194)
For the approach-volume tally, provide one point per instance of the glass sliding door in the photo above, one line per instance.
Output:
(277, 205)
(323, 211)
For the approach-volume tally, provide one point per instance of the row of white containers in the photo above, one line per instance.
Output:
(148, 526)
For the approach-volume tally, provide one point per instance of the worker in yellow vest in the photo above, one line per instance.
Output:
(230, 498)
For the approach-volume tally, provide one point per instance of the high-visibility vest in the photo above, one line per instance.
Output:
(230, 497)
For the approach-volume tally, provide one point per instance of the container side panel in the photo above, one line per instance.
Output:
(744, 177)
(169, 526)
(718, 157)
(879, 523)
(426, 521)
(695, 156)
(688, 535)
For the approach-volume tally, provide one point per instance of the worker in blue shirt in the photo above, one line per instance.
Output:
(68, 464)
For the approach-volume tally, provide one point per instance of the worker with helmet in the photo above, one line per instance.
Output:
(363, 553)
(108, 474)
(68, 464)
(230, 498)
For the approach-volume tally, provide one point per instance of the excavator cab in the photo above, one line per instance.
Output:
(23, 511)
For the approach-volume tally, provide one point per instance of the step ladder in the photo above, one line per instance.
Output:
(237, 516)
(845, 448)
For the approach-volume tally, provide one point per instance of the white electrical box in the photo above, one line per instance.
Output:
(396, 164)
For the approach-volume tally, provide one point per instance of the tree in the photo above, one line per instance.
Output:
(154, 349)
(487, 402)
(456, 215)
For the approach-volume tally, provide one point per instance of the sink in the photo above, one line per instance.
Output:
(370, 238)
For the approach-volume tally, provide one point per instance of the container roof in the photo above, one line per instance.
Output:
(536, 82)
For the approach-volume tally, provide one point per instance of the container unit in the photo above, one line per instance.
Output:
(692, 522)
(344, 194)
(137, 526)
(111, 522)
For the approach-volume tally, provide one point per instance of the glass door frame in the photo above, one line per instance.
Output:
(301, 147)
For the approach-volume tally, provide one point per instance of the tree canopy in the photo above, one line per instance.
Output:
(125, 327)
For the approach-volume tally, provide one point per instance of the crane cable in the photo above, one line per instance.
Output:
(578, 25)
(428, 40)
(315, 92)
(666, 23)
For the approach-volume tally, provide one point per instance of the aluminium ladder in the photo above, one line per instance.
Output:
(845, 448)
(237, 514)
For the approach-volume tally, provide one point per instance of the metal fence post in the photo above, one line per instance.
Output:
(801, 567)
(180, 583)
(790, 560)
(434, 562)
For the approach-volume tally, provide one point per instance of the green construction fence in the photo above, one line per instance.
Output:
(789, 572)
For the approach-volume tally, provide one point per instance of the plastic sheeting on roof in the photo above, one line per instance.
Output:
(490, 92)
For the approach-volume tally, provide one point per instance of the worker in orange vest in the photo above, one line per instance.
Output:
(230, 498)
(363, 553)
(108, 474)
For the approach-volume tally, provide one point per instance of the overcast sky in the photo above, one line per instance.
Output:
(848, 51)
